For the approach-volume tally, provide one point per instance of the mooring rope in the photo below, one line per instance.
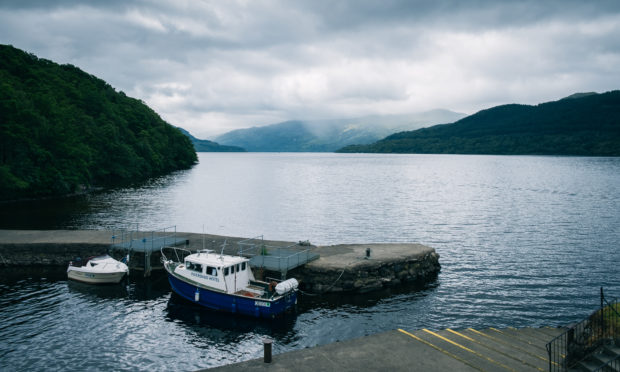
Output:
(331, 286)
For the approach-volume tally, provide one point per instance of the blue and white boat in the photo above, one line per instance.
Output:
(226, 283)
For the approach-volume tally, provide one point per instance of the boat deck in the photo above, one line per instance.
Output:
(248, 294)
(254, 290)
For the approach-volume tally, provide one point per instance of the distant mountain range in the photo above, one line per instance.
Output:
(209, 146)
(581, 124)
(329, 135)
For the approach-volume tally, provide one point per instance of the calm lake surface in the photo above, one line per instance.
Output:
(523, 240)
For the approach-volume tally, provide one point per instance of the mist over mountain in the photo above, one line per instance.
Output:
(586, 124)
(201, 145)
(330, 135)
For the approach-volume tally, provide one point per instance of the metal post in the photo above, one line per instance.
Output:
(147, 260)
(602, 317)
(267, 349)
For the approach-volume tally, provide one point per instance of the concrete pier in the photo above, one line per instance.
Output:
(340, 268)
(367, 267)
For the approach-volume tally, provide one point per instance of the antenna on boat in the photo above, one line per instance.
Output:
(203, 236)
(222, 251)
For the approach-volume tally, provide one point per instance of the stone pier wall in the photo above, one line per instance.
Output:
(47, 254)
(369, 276)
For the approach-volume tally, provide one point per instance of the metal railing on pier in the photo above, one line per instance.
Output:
(585, 337)
(276, 258)
(146, 242)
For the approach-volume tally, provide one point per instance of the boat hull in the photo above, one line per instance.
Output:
(95, 278)
(250, 306)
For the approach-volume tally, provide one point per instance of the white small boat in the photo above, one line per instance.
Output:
(97, 270)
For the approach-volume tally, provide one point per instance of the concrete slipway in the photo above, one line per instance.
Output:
(421, 350)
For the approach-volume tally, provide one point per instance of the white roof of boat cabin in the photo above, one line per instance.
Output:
(215, 259)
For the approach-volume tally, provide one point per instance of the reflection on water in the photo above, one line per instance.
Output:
(140, 324)
(92, 292)
(206, 321)
(523, 241)
(406, 292)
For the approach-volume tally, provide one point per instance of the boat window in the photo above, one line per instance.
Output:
(243, 266)
(238, 267)
(193, 266)
(225, 271)
(211, 271)
(232, 269)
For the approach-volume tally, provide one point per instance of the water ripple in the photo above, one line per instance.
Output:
(523, 241)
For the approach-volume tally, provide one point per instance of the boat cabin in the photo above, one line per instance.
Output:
(224, 273)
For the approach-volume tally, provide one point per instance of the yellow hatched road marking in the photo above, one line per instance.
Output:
(441, 350)
(491, 348)
(468, 349)
(509, 344)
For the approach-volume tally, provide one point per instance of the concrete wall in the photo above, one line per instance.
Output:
(47, 254)
(374, 275)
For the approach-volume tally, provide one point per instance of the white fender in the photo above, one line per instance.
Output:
(286, 286)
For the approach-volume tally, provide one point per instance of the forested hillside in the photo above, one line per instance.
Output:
(63, 130)
(209, 146)
(582, 124)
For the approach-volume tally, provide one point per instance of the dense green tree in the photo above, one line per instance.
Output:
(63, 130)
(582, 124)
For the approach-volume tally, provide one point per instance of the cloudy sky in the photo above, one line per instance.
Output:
(214, 66)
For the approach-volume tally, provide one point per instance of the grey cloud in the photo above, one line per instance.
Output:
(453, 13)
(197, 62)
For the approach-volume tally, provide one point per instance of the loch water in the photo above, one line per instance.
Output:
(523, 241)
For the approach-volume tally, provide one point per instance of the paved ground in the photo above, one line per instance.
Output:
(352, 255)
(421, 350)
(55, 236)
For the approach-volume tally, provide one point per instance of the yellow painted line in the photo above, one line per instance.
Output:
(495, 350)
(462, 335)
(441, 350)
(468, 349)
(509, 344)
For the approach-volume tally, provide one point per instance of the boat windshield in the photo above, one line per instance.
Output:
(193, 266)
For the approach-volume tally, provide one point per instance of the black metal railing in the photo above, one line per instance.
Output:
(612, 365)
(583, 338)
